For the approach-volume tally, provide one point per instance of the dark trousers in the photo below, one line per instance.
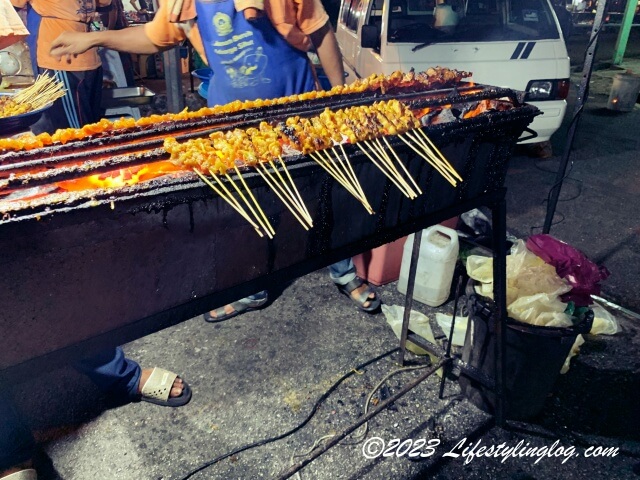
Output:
(110, 370)
(80, 105)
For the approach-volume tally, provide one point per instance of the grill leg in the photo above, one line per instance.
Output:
(499, 220)
(408, 301)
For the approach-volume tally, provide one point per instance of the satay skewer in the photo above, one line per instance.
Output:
(339, 178)
(427, 150)
(383, 170)
(264, 217)
(353, 180)
(295, 189)
(230, 201)
(276, 190)
(437, 166)
(349, 169)
(419, 191)
(393, 167)
(453, 170)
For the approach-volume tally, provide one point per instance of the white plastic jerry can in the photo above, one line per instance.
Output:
(436, 263)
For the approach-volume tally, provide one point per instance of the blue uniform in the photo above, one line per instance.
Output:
(249, 60)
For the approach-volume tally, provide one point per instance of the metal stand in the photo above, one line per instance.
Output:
(583, 95)
(498, 213)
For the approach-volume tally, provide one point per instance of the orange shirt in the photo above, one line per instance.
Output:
(64, 16)
(294, 20)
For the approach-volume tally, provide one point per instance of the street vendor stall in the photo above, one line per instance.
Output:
(113, 231)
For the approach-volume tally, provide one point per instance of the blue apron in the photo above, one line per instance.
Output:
(249, 60)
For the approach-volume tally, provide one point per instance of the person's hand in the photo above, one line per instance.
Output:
(70, 44)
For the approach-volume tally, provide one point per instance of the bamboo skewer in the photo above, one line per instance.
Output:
(295, 189)
(231, 201)
(329, 167)
(382, 156)
(349, 175)
(330, 170)
(272, 183)
(290, 187)
(419, 191)
(44, 90)
(264, 217)
(395, 170)
(329, 163)
(427, 150)
(437, 166)
(287, 189)
(340, 179)
(339, 167)
(349, 170)
(435, 149)
(226, 189)
(255, 215)
(383, 170)
(431, 150)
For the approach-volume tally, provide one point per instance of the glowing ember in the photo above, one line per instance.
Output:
(120, 178)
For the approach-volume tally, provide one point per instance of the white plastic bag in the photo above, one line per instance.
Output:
(575, 349)
(603, 322)
(459, 330)
(533, 287)
(418, 323)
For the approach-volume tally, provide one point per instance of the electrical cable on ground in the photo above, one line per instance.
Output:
(363, 434)
(354, 426)
(314, 410)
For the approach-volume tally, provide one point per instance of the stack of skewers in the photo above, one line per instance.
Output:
(321, 138)
(44, 91)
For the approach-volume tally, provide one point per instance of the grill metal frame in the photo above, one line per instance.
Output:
(83, 272)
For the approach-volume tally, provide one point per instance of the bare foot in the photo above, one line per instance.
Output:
(176, 389)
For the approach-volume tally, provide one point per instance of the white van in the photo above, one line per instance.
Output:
(506, 43)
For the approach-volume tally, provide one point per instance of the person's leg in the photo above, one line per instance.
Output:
(112, 372)
(343, 274)
(247, 304)
(80, 105)
(120, 377)
(89, 96)
(16, 441)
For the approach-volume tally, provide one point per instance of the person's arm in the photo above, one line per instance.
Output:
(326, 44)
(134, 5)
(130, 40)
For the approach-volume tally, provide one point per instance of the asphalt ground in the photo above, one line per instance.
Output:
(260, 375)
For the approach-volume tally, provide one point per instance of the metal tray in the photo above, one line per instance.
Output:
(20, 123)
(126, 97)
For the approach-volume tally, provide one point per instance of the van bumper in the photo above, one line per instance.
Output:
(546, 124)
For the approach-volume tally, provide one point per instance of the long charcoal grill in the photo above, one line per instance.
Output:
(87, 270)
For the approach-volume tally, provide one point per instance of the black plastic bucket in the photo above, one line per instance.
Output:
(534, 356)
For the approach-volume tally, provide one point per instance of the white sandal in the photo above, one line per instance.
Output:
(28, 474)
(158, 386)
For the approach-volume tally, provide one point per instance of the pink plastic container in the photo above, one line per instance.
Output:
(381, 265)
